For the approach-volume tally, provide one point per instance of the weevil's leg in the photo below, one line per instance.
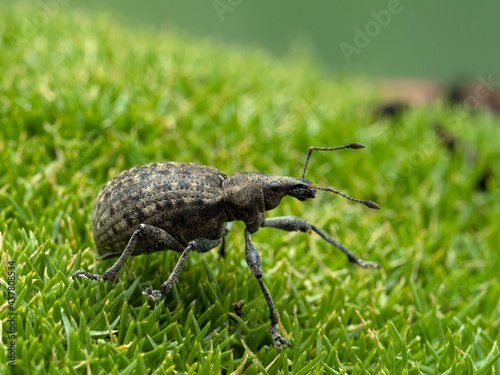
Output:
(294, 223)
(200, 245)
(254, 261)
(227, 228)
(154, 235)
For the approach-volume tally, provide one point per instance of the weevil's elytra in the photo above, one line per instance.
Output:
(183, 199)
(189, 207)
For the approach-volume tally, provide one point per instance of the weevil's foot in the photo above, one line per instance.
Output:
(153, 295)
(278, 340)
(367, 264)
(88, 276)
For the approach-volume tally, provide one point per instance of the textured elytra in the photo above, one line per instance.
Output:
(183, 199)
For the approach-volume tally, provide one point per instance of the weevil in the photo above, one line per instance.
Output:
(188, 207)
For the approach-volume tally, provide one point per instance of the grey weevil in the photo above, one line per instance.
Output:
(188, 207)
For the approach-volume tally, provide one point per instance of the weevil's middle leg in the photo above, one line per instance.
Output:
(254, 261)
(227, 228)
(294, 223)
(200, 245)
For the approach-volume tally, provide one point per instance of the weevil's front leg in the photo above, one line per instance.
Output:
(147, 234)
(294, 223)
(254, 261)
(200, 245)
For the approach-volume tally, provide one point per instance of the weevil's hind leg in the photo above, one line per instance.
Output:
(222, 249)
(87, 275)
(200, 245)
(254, 261)
(155, 236)
(294, 223)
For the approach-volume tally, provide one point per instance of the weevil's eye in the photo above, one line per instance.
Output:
(275, 186)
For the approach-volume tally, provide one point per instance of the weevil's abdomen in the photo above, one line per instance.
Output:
(183, 199)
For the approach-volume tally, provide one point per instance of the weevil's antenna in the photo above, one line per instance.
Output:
(369, 204)
(311, 149)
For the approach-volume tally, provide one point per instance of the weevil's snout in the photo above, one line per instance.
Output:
(276, 187)
(299, 188)
(302, 190)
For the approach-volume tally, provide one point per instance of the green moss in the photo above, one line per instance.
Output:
(82, 98)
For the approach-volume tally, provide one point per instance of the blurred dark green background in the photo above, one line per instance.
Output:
(446, 40)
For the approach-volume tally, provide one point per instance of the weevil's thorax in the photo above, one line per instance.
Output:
(244, 199)
(248, 195)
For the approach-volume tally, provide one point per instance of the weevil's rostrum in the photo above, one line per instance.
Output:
(189, 207)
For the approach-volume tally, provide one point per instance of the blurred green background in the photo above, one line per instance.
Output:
(446, 40)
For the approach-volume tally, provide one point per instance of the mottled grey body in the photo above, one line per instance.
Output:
(184, 199)
(187, 207)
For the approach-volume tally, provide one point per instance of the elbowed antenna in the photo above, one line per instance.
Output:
(369, 204)
(311, 149)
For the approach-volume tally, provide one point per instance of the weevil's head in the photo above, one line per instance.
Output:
(275, 187)
(248, 194)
